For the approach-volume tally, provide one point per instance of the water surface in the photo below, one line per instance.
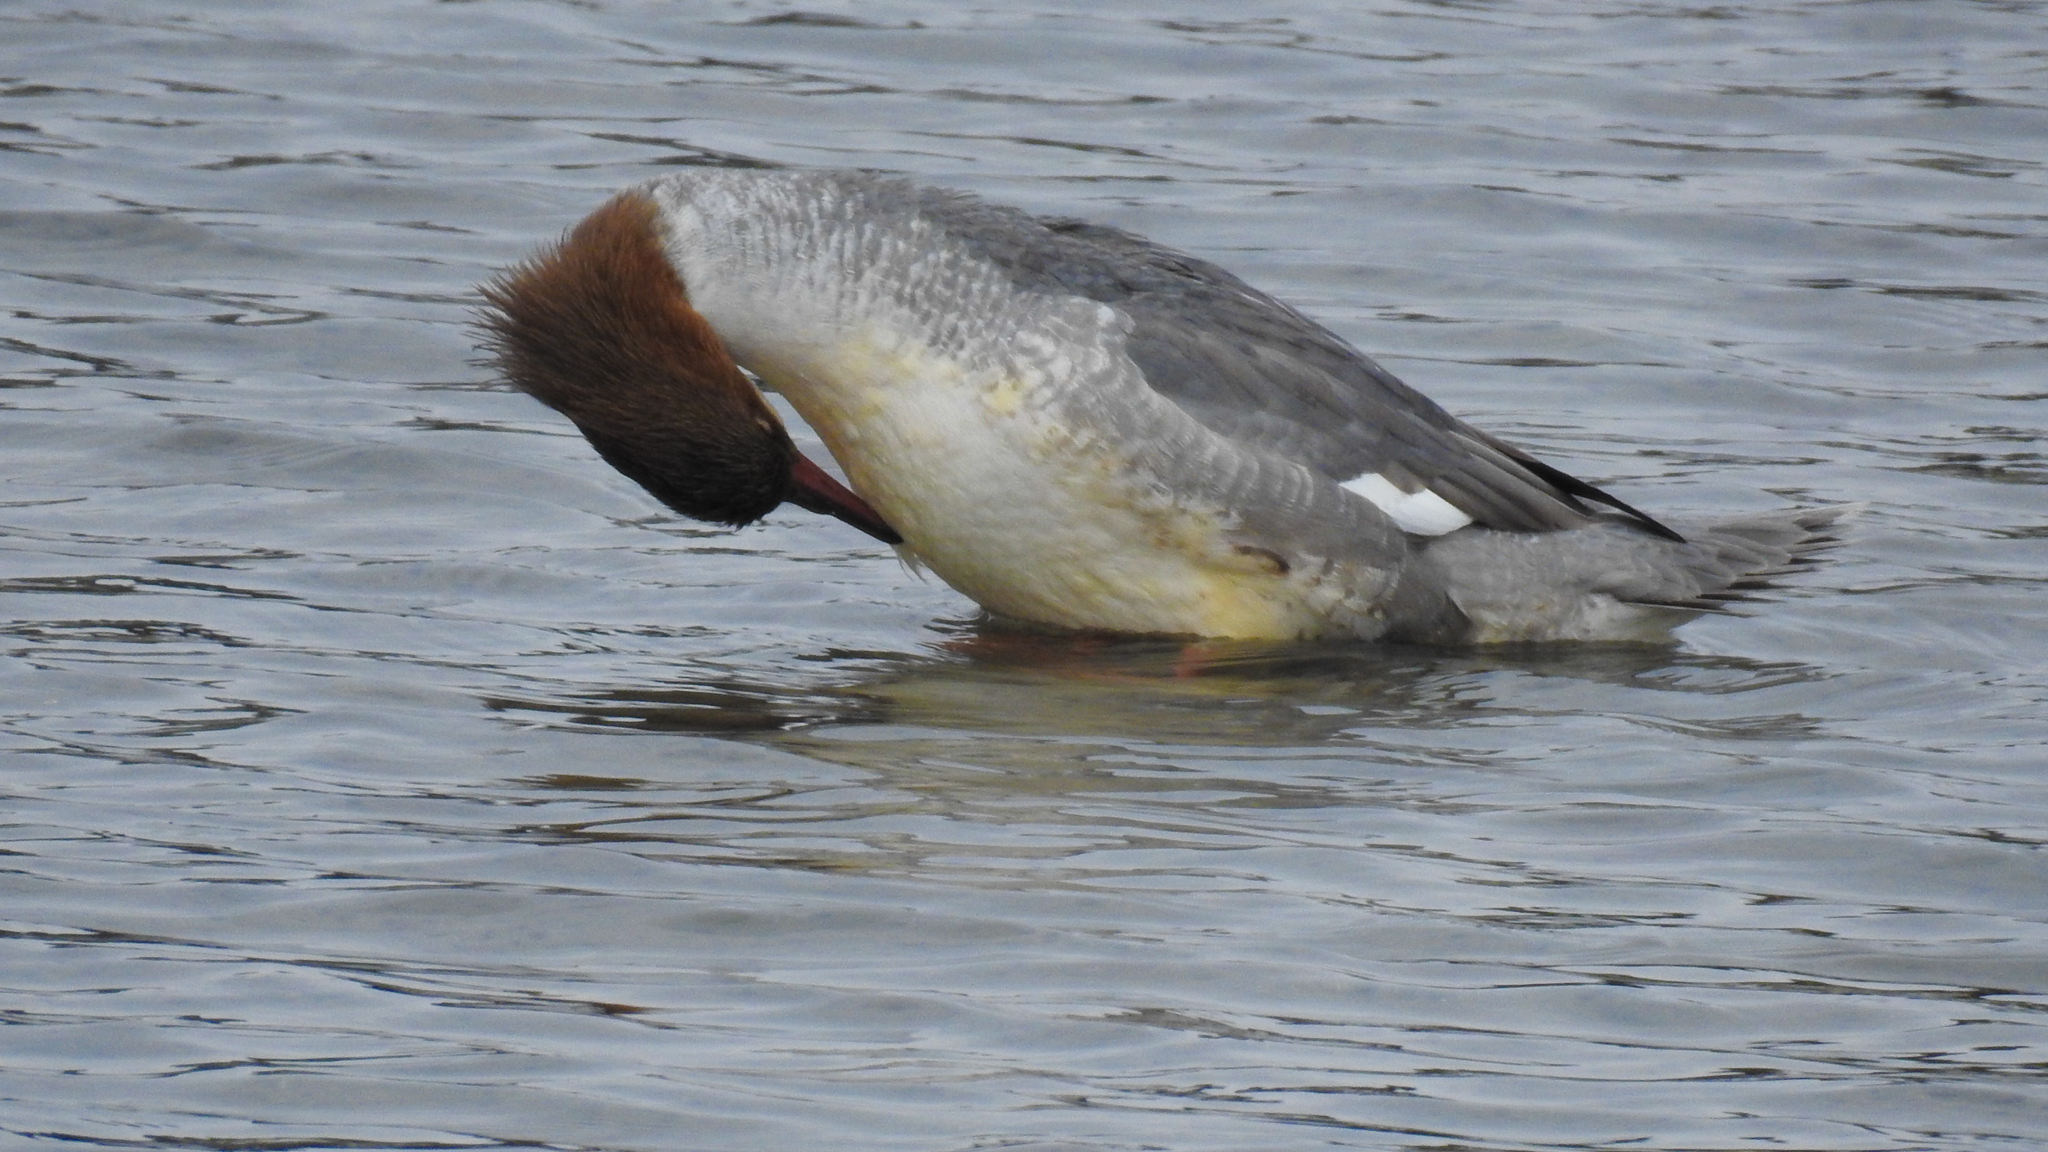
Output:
(380, 770)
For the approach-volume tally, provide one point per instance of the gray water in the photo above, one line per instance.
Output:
(380, 771)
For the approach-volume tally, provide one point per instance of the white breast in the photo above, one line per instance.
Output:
(977, 419)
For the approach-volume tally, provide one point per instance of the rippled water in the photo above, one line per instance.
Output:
(379, 770)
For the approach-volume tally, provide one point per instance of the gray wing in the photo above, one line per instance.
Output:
(1255, 370)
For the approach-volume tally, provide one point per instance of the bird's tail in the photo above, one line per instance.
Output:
(1612, 581)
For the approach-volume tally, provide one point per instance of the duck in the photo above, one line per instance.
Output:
(1075, 427)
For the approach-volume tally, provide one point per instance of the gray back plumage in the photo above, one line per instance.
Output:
(1255, 370)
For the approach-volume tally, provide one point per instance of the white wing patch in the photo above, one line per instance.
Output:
(1423, 513)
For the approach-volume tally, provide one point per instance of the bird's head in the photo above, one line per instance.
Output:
(599, 327)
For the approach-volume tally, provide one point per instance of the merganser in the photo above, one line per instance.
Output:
(1074, 426)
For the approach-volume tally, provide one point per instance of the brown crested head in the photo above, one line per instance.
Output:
(599, 327)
